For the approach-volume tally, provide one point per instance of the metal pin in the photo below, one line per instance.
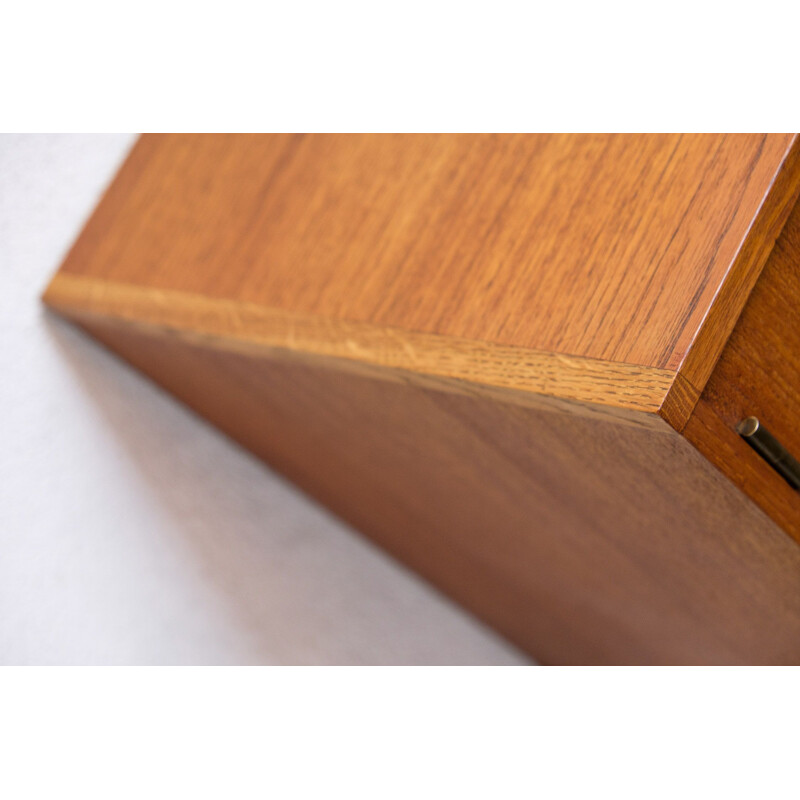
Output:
(770, 449)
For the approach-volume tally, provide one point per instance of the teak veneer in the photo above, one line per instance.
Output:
(515, 361)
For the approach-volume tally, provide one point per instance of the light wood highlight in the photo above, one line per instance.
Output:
(253, 329)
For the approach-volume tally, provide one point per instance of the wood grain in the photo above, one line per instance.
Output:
(759, 375)
(253, 329)
(603, 246)
(580, 544)
(722, 316)
(482, 351)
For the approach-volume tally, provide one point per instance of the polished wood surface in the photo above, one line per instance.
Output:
(759, 375)
(515, 361)
(583, 541)
(604, 246)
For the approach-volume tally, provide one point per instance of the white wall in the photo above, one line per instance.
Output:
(130, 531)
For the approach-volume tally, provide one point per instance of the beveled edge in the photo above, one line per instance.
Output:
(625, 393)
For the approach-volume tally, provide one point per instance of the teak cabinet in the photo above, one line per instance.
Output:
(517, 362)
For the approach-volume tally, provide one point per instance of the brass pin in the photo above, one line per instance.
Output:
(770, 449)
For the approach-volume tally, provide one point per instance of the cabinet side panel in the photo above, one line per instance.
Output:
(582, 541)
(758, 375)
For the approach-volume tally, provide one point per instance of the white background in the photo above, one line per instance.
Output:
(133, 533)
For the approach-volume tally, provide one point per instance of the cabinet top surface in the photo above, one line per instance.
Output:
(605, 246)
